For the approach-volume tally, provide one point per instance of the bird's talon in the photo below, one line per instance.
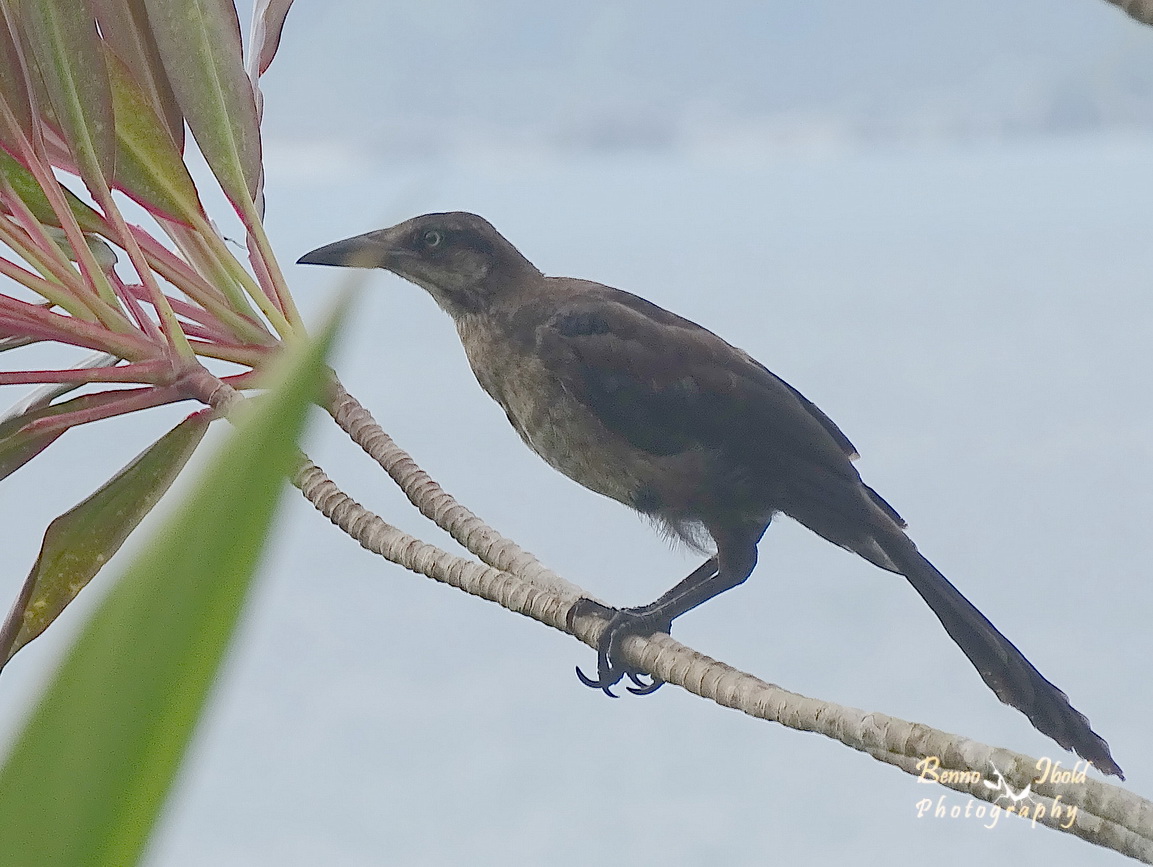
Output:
(647, 689)
(637, 678)
(642, 688)
(602, 684)
(609, 672)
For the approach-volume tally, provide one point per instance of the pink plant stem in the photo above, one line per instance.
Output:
(49, 254)
(242, 380)
(34, 320)
(169, 327)
(128, 296)
(133, 400)
(211, 327)
(170, 266)
(26, 278)
(263, 277)
(53, 190)
(178, 272)
(192, 329)
(246, 354)
(154, 372)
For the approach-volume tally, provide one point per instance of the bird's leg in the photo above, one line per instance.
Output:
(735, 559)
(632, 621)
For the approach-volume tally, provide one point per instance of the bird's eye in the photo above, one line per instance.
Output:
(431, 239)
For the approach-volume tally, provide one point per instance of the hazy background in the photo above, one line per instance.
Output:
(933, 219)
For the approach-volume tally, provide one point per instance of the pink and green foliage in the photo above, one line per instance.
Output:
(95, 100)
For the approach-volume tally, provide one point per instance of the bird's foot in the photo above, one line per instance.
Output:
(622, 623)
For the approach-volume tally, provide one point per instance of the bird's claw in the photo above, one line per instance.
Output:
(622, 624)
(598, 682)
(642, 688)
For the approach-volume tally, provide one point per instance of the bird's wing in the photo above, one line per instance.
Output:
(668, 385)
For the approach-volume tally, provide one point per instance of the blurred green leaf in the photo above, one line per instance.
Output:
(86, 778)
(200, 46)
(62, 36)
(127, 31)
(78, 543)
(149, 166)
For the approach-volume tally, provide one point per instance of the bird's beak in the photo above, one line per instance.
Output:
(371, 250)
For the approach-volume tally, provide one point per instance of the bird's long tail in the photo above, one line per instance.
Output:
(1001, 665)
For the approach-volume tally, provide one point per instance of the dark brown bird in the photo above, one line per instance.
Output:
(653, 410)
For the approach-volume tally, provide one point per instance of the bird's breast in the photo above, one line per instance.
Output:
(551, 420)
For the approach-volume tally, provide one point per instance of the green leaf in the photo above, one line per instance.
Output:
(13, 89)
(199, 43)
(78, 543)
(18, 445)
(126, 30)
(19, 448)
(86, 778)
(103, 254)
(63, 38)
(25, 186)
(149, 165)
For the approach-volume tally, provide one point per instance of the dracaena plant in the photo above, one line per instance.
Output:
(99, 102)
(95, 100)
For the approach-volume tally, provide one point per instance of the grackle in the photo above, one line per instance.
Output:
(654, 411)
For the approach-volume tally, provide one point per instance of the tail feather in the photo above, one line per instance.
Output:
(1001, 665)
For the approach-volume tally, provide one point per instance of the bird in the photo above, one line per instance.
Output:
(657, 412)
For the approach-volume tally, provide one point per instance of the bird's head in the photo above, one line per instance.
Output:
(459, 258)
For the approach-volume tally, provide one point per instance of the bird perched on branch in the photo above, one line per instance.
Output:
(652, 410)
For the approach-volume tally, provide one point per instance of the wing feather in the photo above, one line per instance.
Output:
(667, 385)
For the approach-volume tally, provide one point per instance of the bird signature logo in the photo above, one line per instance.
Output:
(1005, 789)
(1023, 803)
